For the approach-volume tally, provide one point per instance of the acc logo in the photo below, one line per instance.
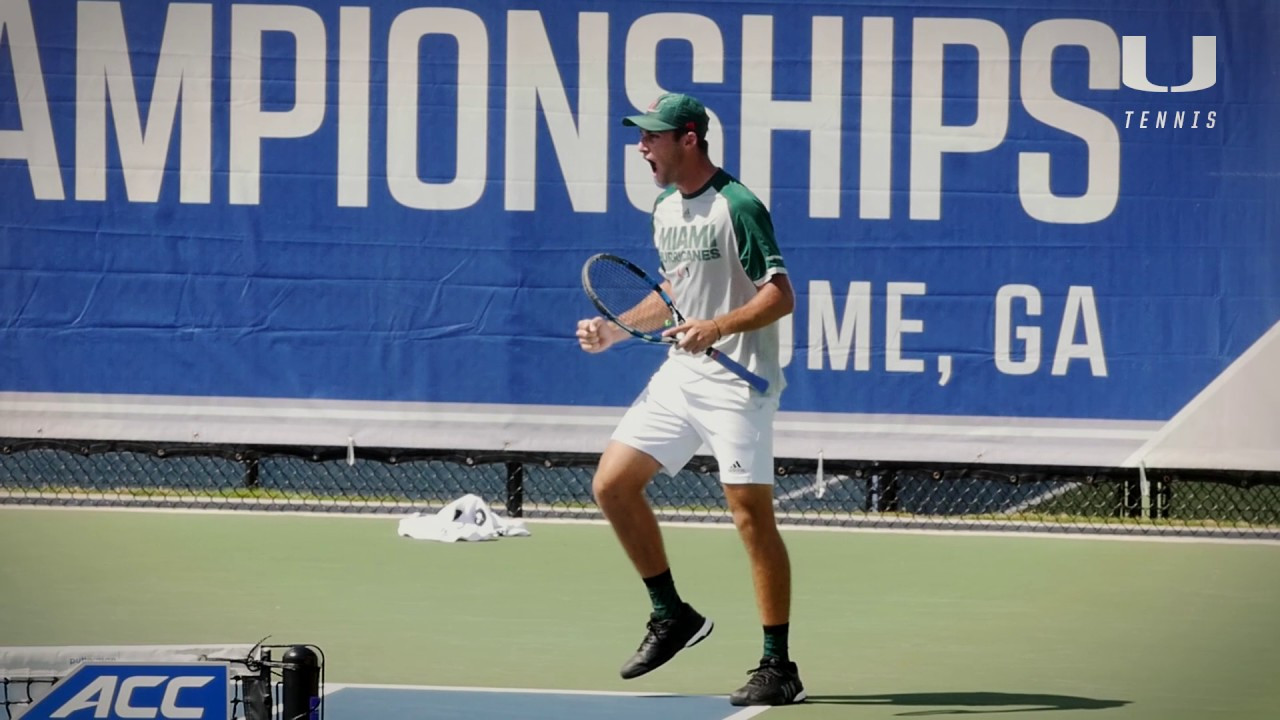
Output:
(160, 691)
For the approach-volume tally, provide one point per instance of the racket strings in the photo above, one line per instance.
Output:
(627, 297)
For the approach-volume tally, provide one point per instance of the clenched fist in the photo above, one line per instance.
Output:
(597, 334)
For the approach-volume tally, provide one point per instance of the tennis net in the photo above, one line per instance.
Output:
(123, 681)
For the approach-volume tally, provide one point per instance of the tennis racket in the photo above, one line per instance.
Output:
(632, 300)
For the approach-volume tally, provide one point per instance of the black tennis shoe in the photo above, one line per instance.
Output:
(665, 638)
(774, 682)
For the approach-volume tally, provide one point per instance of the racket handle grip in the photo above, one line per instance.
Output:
(736, 368)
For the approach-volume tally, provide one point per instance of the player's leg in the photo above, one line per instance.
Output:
(752, 507)
(651, 436)
(742, 440)
(741, 436)
(776, 680)
(618, 486)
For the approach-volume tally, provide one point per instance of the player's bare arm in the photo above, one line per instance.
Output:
(598, 334)
(650, 314)
(773, 300)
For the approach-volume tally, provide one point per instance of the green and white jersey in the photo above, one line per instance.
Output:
(717, 247)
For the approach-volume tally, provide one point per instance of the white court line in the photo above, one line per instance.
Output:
(748, 712)
(531, 691)
(1066, 532)
(742, 714)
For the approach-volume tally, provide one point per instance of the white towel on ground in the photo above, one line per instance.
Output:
(467, 518)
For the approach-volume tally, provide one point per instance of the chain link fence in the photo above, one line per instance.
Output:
(808, 492)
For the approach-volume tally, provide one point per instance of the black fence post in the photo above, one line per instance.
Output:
(515, 489)
(1162, 497)
(250, 477)
(882, 492)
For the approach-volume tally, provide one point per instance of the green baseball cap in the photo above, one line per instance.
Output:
(673, 111)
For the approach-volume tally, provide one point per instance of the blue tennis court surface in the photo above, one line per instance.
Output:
(355, 702)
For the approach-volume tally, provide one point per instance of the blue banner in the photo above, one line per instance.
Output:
(1032, 209)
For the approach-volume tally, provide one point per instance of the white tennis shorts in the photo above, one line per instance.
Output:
(677, 413)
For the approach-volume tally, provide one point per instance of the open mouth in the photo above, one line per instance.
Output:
(653, 167)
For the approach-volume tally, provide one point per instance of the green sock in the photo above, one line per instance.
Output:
(775, 641)
(662, 593)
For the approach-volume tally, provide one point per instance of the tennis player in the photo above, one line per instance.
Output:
(722, 268)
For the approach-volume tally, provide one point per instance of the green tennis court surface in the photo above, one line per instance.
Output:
(884, 625)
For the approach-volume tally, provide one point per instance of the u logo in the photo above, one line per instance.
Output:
(1204, 65)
